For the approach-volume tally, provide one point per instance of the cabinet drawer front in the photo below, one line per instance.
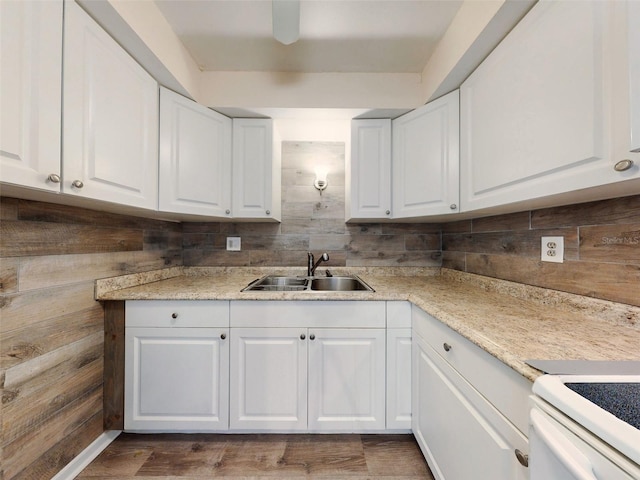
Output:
(506, 389)
(177, 313)
(308, 314)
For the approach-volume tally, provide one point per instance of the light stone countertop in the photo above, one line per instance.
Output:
(511, 321)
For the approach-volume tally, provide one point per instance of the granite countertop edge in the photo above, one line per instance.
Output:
(511, 321)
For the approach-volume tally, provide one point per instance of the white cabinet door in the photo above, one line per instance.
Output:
(176, 379)
(462, 436)
(195, 158)
(425, 162)
(110, 118)
(30, 93)
(536, 116)
(268, 379)
(369, 171)
(399, 378)
(256, 179)
(346, 379)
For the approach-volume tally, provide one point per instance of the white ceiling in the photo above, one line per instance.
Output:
(372, 36)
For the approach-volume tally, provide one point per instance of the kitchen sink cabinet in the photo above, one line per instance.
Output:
(299, 379)
(308, 366)
(110, 113)
(547, 112)
(177, 366)
(30, 93)
(368, 183)
(461, 431)
(256, 169)
(195, 158)
(425, 159)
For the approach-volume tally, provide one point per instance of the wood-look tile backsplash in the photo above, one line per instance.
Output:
(52, 330)
(313, 222)
(602, 248)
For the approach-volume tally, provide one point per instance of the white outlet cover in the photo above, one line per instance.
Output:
(233, 244)
(552, 249)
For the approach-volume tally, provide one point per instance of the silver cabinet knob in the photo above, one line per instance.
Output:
(227, 211)
(388, 212)
(446, 347)
(174, 315)
(223, 336)
(522, 457)
(453, 206)
(54, 178)
(302, 336)
(268, 212)
(312, 337)
(623, 165)
(77, 184)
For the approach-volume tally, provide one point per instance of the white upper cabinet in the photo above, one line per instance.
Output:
(195, 158)
(110, 118)
(425, 159)
(369, 187)
(30, 93)
(542, 114)
(256, 170)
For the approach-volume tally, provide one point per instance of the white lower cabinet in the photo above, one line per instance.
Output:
(176, 370)
(462, 435)
(307, 379)
(307, 366)
(399, 366)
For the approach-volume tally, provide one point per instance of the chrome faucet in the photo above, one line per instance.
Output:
(311, 266)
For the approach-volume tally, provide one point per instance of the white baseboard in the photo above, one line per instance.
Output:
(84, 458)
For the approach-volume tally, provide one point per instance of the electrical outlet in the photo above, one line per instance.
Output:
(552, 249)
(233, 244)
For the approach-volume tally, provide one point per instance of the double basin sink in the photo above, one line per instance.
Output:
(277, 283)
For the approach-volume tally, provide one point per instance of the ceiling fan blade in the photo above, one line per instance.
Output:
(286, 20)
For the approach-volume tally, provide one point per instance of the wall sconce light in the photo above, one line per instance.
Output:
(321, 179)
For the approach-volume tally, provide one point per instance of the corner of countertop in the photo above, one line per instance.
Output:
(110, 284)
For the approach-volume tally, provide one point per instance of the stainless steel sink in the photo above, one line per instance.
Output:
(339, 284)
(280, 283)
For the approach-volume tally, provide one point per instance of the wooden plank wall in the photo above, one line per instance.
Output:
(52, 330)
(602, 248)
(313, 222)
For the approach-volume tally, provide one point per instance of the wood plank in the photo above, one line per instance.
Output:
(9, 275)
(114, 333)
(23, 344)
(516, 243)
(429, 241)
(50, 212)
(410, 228)
(27, 413)
(162, 240)
(461, 226)
(20, 238)
(21, 310)
(611, 243)
(40, 372)
(454, 261)
(58, 456)
(57, 270)
(614, 211)
(27, 449)
(511, 221)
(382, 451)
(394, 259)
(8, 208)
(614, 282)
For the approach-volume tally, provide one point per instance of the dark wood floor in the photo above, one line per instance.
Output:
(244, 457)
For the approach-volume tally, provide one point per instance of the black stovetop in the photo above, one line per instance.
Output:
(619, 399)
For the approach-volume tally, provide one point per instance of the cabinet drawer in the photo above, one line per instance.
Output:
(177, 313)
(505, 388)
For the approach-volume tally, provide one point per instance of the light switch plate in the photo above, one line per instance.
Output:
(233, 244)
(552, 249)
